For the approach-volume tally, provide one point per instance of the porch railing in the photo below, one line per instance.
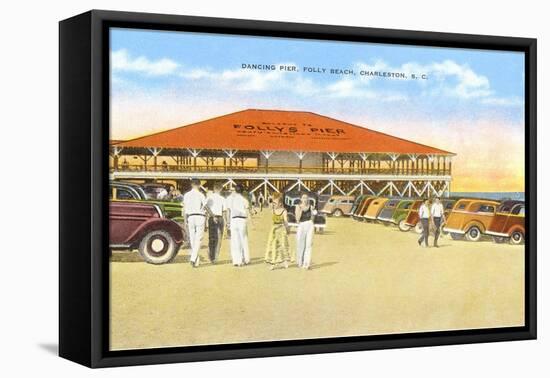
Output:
(274, 169)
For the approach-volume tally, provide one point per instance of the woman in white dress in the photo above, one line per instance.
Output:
(304, 213)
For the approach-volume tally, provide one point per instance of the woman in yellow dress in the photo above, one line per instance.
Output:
(278, 247)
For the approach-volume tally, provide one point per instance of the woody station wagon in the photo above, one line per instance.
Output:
(338, 205)
(375, 208)
(508, 223)
(470, 218)
(386, 214)
(362, 208)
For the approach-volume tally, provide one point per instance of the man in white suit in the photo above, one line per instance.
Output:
(194, 202)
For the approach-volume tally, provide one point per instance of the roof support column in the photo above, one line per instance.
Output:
(195, 153)
(301, 156)
(364, 157)
(230, 154)
(155, 152)
(332, 156)
(266, 155)
(116, 152)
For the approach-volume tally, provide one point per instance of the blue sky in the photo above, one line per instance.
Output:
(466, 81)
(471, 103)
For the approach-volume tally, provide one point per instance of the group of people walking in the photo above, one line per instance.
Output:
(431, 214)
(233, 213)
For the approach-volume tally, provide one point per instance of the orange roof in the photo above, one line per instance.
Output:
(279, 130)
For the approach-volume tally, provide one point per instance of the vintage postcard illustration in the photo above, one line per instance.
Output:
(267, 189)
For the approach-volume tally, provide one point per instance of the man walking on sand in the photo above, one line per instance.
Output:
(438, 217)
(424, 215)
(216, 203)
(194, 202)
(237, 214)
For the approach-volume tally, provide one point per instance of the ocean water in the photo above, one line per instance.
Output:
(498, 196)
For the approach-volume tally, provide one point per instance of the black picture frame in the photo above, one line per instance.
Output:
(83, 182)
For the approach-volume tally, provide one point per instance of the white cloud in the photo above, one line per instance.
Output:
(256, 80)
(445, 78)
(451, 79)
(122, 61)
(503, 101)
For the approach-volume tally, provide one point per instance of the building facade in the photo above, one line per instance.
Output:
(274, 150)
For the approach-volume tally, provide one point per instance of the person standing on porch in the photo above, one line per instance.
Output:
(304, 234)
(424, 216)
(194, 202)
(237, 214)
(216, 203)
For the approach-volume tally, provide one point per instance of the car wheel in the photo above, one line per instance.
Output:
(499, 239)
(338, 213)
(473, 234)
(403, 226)
(418, 228)
(158, 247)
(516, 237)
(456, 236)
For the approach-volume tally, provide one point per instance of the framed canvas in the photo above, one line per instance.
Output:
(236, 188)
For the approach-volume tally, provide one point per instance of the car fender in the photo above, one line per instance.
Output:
(156, 224)
(476, 223)
(515, 228)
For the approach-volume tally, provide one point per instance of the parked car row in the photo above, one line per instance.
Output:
(466, 218)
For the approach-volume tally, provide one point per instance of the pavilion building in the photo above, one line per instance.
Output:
(274, 150)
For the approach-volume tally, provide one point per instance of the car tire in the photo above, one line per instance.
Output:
(418, 228)
(158, 247)
(516, 238)
(337, 213)
(499, 239)
(403, 226)
(473, 234)
(456, 236)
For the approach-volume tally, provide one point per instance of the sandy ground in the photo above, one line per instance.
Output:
(366, 279)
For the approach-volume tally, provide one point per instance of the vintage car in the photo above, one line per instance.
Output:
(400, 213)
(338, 206)
(142, 226)
(153, 189)
(357, 202)
(375, 208)
(362, 208)
(386, 214)
(470, 218)
(412, 220)
(120, 190)
(292, 198)
(508, 223)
